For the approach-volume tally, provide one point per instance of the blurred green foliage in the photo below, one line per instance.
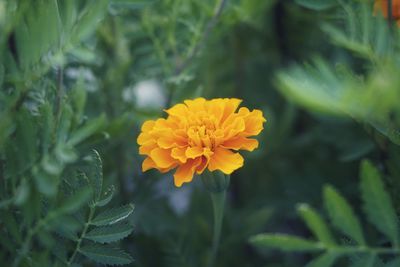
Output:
(81, 75)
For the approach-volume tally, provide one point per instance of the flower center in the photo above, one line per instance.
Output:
(201, 129)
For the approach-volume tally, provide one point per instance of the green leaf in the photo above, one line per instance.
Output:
(107, 196)
(47, 121)
(22, 193)
(317, 5)
(106, 255)
(393, 263)
(10, 223)
(285, 243)
(65, 123)
(77, 200)
(325, 260)
(365, 261)
(114, 215)
(78, 100)
(342, 215)
(108, 234)
(132, 4)
(21, 150)
(87, 130)
(316, 224)
(51, 165)
(377, 203)
(46, 183)
(93, 12)
(308, 92)
(1, 74)
(96, 175)
(65, 154)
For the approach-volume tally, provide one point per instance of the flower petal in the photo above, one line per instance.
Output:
(148, 125)
(205, 159)
(162, 157)
(253, 121)
(225, 161)
(195, 105)
(144, 138)
(177, 110)
(231, 104)
(185, 172)
(147, 148)
(241, 143)
(148, 164)
(169, 141)
(194, 152)
(179, 154)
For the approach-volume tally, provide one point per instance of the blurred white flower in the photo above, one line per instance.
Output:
(91, 84)
(178, 198)
(148, 94)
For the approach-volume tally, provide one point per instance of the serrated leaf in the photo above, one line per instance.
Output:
(106, 255)
(108, 234)
(106, 197)
(325, 260)
(342, 215)
(377, 203)
(285, 243)
(114, 215)
(74, 202)
(316, 224)
(96, 175)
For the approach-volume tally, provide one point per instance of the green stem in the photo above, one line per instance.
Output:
(83, 234)
(26, 244)
(218, 201)
(390, 12)
(372, 250)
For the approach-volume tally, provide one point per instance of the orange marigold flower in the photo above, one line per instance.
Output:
(200, 134)
(382, 6)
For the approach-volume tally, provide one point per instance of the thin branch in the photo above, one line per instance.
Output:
(60, 93)
(209, 27)
(219, 7)
(26, 244)
(82, 236)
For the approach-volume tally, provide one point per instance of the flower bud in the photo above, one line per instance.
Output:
(215, 181)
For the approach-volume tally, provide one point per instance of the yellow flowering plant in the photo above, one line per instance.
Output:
(198, 135)
(202, 137)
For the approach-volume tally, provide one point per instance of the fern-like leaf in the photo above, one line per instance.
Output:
(106, 255)
(325, 260)
(114, 215)
(316, 224)
(108, 234)
(342, 215)
(377, 203)
(285, 242)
